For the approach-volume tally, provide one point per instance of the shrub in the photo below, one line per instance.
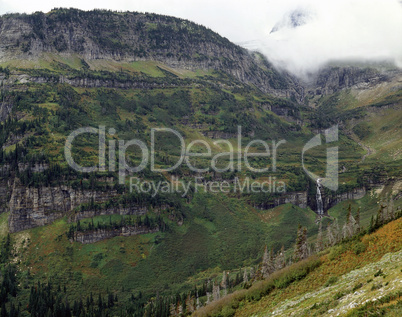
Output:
(358, 248)
(356, 287)
(337, 251)
(297, 273)
(279, 279)
(331, 280)
(96, 259)
(339, 295)
(228, 311)
(376, 286)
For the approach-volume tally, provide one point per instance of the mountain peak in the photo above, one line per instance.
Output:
(133, 36)
(293, 19)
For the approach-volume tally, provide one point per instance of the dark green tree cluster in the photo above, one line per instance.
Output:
(385, 214)
(153, 222)
(8, 279)
(45, 300)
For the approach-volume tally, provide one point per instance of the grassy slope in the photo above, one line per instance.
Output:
(312, 296)
(219, 232)
(57, 63)
(380, 128)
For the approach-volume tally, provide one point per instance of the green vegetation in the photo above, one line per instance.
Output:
(318, 297)
(191, 238)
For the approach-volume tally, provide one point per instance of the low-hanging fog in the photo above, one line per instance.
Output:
(322, 31)
(297, 35)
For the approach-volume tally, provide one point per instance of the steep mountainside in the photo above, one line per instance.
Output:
(130, 36)
(154, 252)
(358, 277)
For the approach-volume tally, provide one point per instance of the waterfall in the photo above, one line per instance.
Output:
(320, 210)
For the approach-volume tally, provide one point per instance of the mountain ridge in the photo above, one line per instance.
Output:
(93, 234)
(177, 43)
(133, 36)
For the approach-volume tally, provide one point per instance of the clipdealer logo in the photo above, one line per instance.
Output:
(331, 175)
(236, 161)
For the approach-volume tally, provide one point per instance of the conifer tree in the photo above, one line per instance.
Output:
(357, 225)
(380, 217)
(208, 292)
(301, 248)
(330, 236)
(280, 259)
(245, 276)
(305, 247)
(349, 213)
(391, 208)
(372, 224)
(271, 262)
(172, 310)
(319, 246)
(349, 227)
(336, 231)
(216, 292)
(224, 282)
(252, 272)
(265, 260)
(299, 242)
(190, 307)
(198, 301)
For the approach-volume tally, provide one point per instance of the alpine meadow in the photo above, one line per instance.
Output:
(151, 167)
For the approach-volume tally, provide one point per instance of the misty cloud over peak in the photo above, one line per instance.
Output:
(294, 19)
(312, 33)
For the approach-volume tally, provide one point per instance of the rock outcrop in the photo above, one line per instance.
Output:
(332, 79)
(133, 36)
(303, 199)
(32, 207)
(299, 199)
(357, 193)
(5, 108)
(102, 234)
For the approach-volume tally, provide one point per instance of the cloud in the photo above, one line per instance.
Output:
(5, 7)
(363, 30)
(342, 30)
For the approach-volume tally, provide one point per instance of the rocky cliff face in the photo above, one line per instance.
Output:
(5, 110)
(357, 193)
(32, 207)
(129, 37)
(4, 191)
(332, 79)
(331, 200)
(299, 199)
(304, 200)
(180, 44)
(101, 234)
(135, 83)
(134, 36)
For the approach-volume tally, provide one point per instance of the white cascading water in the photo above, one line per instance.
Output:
(320, 210)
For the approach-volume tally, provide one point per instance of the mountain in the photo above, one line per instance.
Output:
(137, 37)
(293, 19)
(354, 278)
(108, 241)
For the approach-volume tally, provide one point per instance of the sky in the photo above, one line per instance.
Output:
(341, 30)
